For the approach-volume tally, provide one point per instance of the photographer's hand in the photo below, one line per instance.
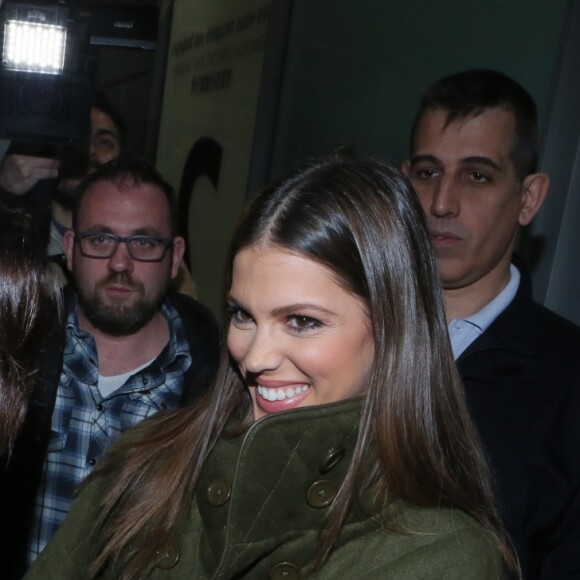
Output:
(20, 173)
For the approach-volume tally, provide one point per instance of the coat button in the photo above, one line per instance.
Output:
(321, 493)
(285, 571)
(169, 558)
(218, 493)
(332, 458)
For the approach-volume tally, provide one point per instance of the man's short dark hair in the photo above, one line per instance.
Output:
(127, 169)
(472, 92)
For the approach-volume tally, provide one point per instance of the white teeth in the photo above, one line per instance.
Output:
(281, 394)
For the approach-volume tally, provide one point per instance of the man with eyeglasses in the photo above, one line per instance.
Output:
(130, 348)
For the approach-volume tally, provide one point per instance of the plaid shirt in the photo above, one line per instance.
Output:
(84, 424)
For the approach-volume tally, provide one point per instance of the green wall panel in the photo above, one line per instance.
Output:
(354, 70)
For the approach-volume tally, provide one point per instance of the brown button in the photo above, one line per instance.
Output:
(285, 571)
(169, 558)
(333, 457)
(321, 493)
(218, 493)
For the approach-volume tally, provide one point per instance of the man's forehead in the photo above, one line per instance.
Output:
(102, 122)
(446, 118)
(489, 133)
(124, 195)
(125, 186)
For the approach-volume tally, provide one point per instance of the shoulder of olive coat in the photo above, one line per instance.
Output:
(261, 501)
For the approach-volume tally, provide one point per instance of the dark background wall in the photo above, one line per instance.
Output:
(133, 78)
(355, 70)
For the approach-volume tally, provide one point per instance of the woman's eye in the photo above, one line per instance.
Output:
(300, 323)
(238, 317)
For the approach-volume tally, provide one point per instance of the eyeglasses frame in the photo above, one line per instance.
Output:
(168, 243)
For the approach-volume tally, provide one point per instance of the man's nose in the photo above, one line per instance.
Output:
(121, 260)
(445, 199)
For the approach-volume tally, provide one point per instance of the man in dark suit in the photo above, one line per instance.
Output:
(473, 165)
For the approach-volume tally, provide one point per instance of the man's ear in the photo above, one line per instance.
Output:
(534, 191)
(177, 255)
(68, 243)
(406, 167)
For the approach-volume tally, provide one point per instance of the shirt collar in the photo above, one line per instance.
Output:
(484, 317)
(463, 332)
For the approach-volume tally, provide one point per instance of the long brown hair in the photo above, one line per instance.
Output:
(361, 219)
(27, 292)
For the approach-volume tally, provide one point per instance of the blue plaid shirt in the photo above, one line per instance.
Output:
(84, 424)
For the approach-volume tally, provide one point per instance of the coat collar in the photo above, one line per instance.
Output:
(252, 485)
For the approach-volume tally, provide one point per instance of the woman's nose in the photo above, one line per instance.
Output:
(263, 354)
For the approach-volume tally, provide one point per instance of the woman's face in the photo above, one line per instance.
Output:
(298, 337)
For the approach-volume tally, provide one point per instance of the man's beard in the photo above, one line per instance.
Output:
(117, 320)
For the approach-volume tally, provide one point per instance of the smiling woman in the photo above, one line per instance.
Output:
(298, 337)
(335, 441)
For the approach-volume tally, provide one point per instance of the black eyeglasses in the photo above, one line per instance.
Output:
(141, 248)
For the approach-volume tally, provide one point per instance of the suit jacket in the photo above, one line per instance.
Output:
(260, 503)
(19, 480)
(522, 381)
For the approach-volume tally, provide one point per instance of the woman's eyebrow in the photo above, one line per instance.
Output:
(298, 306)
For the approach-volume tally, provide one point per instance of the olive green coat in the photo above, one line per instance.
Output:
(259, 506)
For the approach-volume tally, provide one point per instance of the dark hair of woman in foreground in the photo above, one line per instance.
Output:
(359, 219)
(27, 289)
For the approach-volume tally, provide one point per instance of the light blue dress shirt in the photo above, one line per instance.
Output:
(463, 332)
